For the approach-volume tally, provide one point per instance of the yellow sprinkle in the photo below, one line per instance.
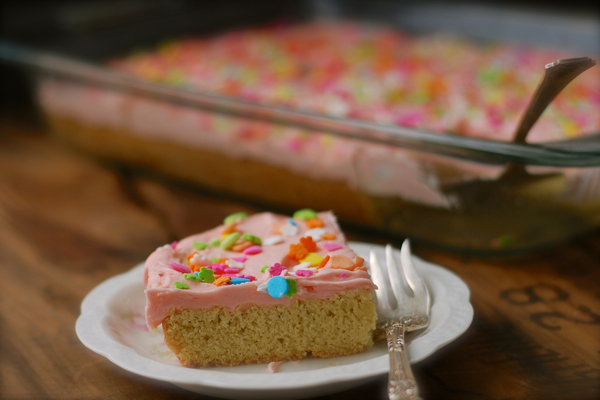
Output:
(313, 258)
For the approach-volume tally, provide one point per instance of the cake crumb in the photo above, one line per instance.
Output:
(273, 366)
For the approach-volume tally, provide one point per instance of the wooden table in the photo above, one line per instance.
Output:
(67, 223)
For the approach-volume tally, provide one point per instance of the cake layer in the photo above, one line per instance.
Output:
(337, 326)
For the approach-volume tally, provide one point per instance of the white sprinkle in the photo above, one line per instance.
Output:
(199, 259)
(234, 263)
(284, 272)
(316, 233)
(304, 265)
(289, 230)
(273, 240)
(262, 288)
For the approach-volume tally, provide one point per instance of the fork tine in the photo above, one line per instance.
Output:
(396, 275)
(378, 277)
(412, 277)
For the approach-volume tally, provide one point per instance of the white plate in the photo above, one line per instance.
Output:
(112, 324)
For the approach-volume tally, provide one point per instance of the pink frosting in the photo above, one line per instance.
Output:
(159, 277)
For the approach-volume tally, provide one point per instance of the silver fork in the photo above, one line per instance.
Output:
(403, 305)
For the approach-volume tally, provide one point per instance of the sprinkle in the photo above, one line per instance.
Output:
(215, 243)
(173, 245)
(277, 287)
(222, 281)
(179, 267)
(263, 269)
(276, 269)
(262, 288)
(308, 243)
(241, 246)
(206, 275)
(252, 238)
(343, 275)
(292, 287)
(200, 245)
(304, 272)
(303, 265)
(359, 261)
(291, 222)
(332, 246)
(342, 262)
(236, 217)
(289, 229)
(249, 277)
(192, 277)
(230, 228)
(316, 234)
(239, 259)
(297, 251)
(234, 264)
(198, 259)
(230, 240)
(181, 285)
(237, 281)
(305, 214)
(273, 240)
(272, 367)
(314, 223)
(314, 259)
(253, 250)
(328, 236)
(323, 262)
(231, 270)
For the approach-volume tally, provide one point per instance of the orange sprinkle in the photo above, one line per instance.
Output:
(360, 269)
(323, 262)
(359, 261)
(230, 228)
(297, 251)
(308, 243)
(241, 246)
(222, 260)
(222, 281)
(328, 236)
(314, 223)
(189, 256)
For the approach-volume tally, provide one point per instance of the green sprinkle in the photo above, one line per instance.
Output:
(214, 260)
(305, 213)
(292, 287)
(206, 275)
(192, 277)
(505, 241)
(236, 217)
(263, 269)
(215, 242)
(200, 245)
(230, 240)
(181, 285)
(252, 238)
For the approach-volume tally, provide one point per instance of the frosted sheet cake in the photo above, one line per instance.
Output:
(441, 83)
(261, 288)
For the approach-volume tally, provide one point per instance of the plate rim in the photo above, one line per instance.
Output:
(94, 334)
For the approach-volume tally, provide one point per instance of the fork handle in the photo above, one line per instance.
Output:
(401, 384)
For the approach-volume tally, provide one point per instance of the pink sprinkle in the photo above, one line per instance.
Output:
(343, 275)
(252, 278)
(174, 244)
(304, 272)
(180, 268)
(253, 250)
(332, 246)
(276, 269)
(231, 270)
(272, 367)
(239, 259)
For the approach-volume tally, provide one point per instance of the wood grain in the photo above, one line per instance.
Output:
(68, 222)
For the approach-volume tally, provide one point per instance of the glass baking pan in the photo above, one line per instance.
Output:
(440, 188)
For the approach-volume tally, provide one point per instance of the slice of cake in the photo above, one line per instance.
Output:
(259, 289)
